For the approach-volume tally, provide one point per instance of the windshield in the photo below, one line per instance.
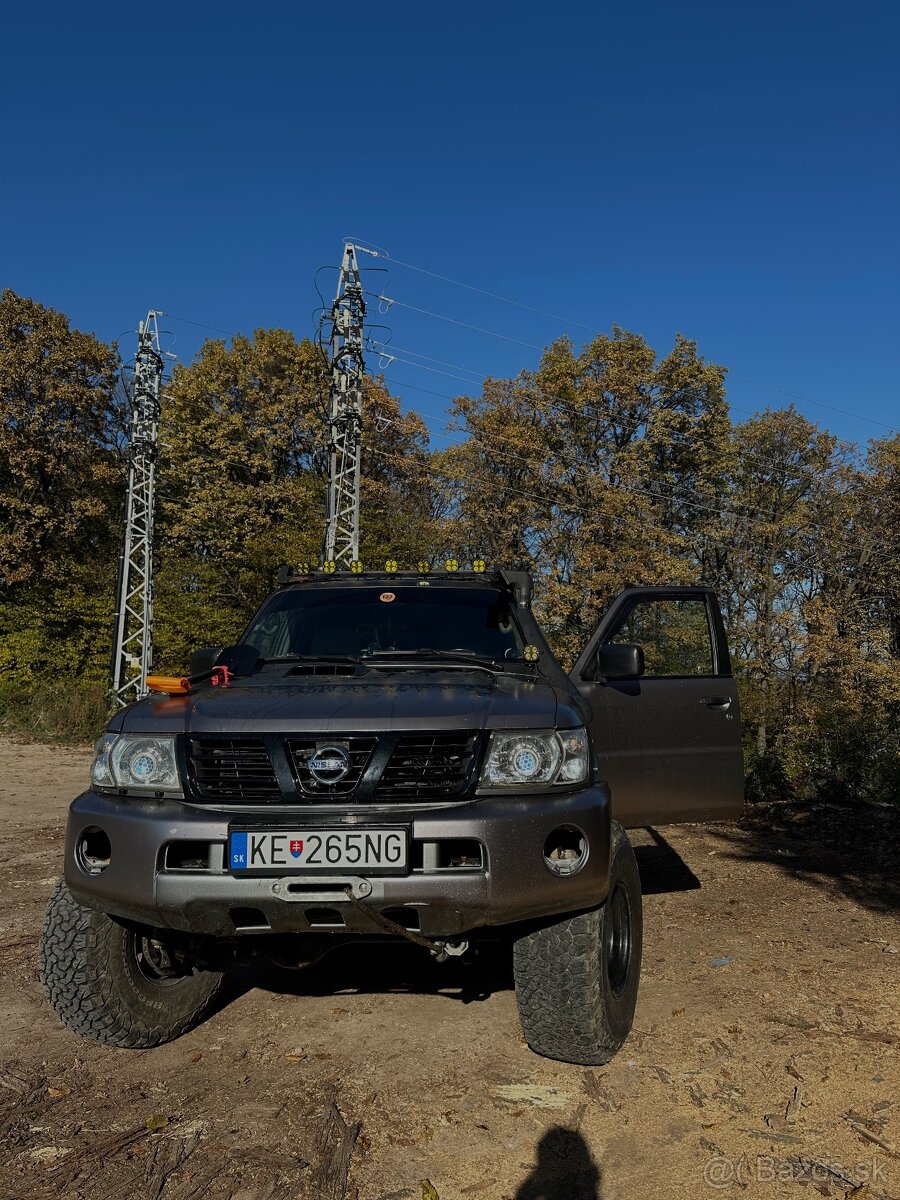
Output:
(360, 621)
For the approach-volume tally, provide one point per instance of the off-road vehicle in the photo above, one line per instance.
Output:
(395, 755)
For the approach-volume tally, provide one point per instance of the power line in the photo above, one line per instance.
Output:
(482, 292)
(201, 325)
(532, 346)
(427, 391)
(564, 410)
(819, 403)
(580, 471)
(564, 509)
(380, 296)
(433, 370)
(386, 349)
(385, 353)
(686, 536)
(740, 512)
(381, 253)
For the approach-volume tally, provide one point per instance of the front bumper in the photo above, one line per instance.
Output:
(512, 882)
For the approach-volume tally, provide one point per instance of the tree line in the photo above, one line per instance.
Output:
(607, 465)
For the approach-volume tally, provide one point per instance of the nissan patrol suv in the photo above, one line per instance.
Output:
(394, 755)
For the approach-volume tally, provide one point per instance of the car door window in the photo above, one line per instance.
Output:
(674, 634)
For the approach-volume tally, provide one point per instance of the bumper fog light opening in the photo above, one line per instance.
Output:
(565, 850)
(93, 851)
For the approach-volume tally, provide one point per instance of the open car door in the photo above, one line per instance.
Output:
(664, 708)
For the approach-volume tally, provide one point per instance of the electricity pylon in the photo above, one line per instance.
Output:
(341, 541)
(133, 638)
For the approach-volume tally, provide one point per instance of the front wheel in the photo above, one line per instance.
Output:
(577, 976)
(118, 984)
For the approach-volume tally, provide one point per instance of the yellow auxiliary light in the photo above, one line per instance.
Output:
(478, 566)
(356, 567)
(424, 566)
(391, 566)
(451, 564)
(303, 569)
(328, 566)
(174, 685)
(531, 653)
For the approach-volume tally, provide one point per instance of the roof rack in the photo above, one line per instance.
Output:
(518, 581)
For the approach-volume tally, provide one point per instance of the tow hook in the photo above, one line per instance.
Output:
(440, 950)
(445, 950)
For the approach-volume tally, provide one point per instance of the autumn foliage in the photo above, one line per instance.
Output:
(604, 466)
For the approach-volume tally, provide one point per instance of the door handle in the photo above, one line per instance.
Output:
(716, 701)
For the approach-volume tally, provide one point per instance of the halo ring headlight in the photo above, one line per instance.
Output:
(533, 757)
(142, 764)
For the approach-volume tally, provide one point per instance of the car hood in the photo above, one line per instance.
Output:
(412, 698)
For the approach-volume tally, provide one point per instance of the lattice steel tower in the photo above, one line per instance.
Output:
(341, 542)
(133, 638)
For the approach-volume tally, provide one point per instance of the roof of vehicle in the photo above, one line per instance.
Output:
(518, 581)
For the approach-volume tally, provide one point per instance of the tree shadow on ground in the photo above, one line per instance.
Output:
(564, 1170)
(851, 850)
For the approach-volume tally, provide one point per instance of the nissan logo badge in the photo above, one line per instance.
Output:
(329, 764)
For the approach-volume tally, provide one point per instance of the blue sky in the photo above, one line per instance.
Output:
(730, 172)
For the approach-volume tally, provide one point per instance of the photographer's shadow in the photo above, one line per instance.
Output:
(565, 1169)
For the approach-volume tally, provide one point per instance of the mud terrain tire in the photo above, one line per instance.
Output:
(100, 980)
(577, 976)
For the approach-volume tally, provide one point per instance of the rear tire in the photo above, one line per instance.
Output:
(118, 984)
(577, 976)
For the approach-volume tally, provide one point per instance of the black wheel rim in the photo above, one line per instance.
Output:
(154, 963)
(617, 940)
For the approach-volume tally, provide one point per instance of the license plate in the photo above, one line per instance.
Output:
(289, 851)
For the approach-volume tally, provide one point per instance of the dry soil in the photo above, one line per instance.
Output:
(764, 1059)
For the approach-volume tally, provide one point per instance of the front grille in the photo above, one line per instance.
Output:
(301, 749)
(428, 766)
(232, 770)
(274, 769)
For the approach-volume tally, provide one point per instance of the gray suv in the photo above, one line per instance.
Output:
(399, 755)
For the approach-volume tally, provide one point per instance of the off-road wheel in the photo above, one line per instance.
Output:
(119, 984)
(577, 976)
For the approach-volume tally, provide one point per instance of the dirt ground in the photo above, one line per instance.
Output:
(764, 1059)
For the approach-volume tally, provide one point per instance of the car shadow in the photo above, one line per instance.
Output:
(851, 850)
(385, 968)
(382, 967)
(661, 866)
(564, 1170)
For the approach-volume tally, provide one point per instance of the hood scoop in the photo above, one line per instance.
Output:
(345, 669)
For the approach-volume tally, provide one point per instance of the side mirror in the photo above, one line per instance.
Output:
(619, 662)
(204, 660)
(240, 659)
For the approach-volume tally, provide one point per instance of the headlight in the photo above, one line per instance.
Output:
(533, 757)
(140, 764)
(101, 770)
